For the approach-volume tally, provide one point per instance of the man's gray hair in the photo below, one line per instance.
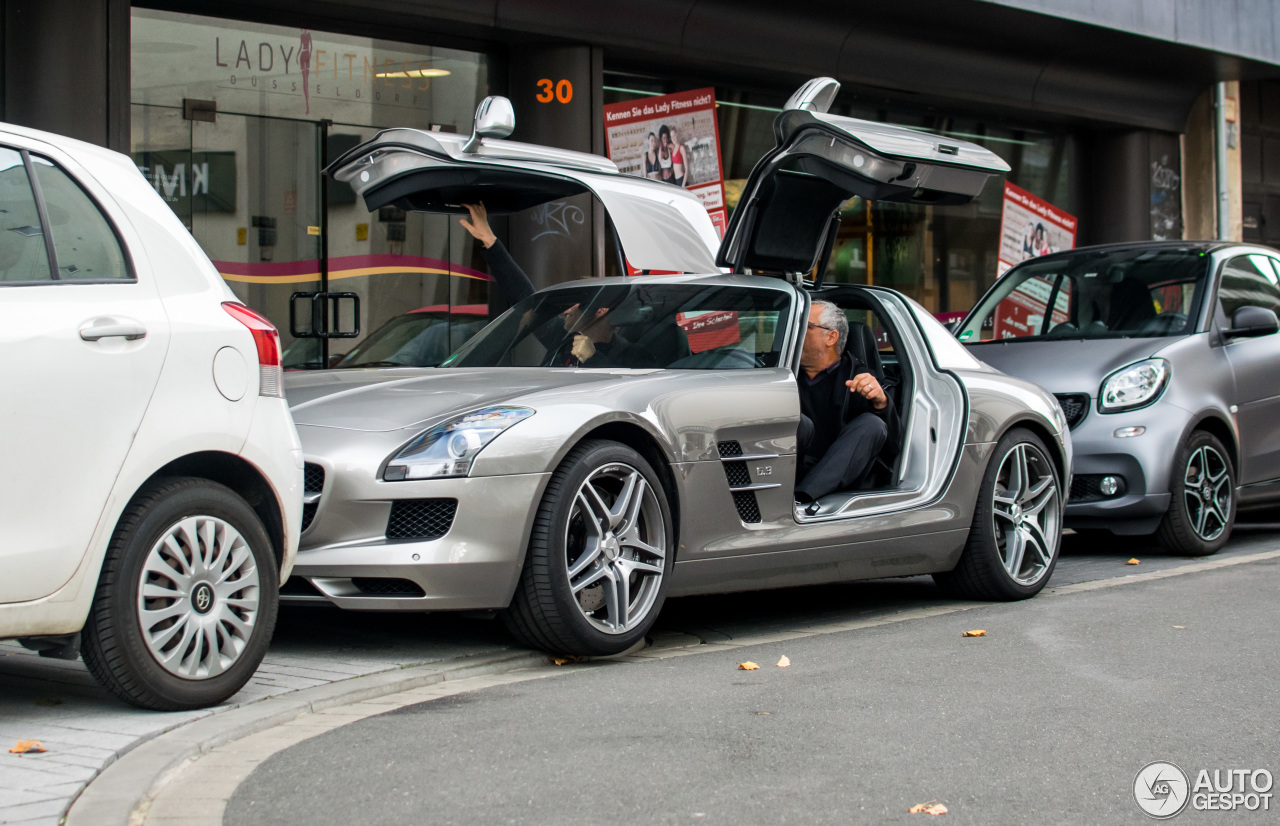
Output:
(833, 318)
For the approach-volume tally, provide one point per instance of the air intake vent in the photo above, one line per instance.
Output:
(736, 473)
(421, 518)
(745, 502)
(729, 449)
(1074, 406)
(312, 487)
(387, 587)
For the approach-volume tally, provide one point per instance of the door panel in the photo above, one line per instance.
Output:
(1255, 362)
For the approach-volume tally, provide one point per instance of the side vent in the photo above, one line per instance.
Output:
(738, 474)
(312, 488)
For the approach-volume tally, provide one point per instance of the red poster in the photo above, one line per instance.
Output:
(671, 138)
(1030, 227)
(709, 330)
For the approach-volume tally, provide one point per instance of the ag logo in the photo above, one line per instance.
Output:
(1161, 790)
(202, 598)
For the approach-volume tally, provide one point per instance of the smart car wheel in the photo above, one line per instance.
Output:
(1203, 505)
(595, 572)
(187, 598)
(1017, 524)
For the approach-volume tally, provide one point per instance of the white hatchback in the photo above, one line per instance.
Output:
(150, 472)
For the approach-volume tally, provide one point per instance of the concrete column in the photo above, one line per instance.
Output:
(66, 68)
(1199, 192)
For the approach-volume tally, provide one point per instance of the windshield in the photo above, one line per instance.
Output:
(416, 339)
(667, 326)
(1101, 294)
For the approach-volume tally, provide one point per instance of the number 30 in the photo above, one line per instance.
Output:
(561, 91)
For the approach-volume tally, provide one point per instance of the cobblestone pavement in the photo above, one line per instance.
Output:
(85, 729)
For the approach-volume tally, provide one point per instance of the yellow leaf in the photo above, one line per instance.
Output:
(929, 808)
(28, 747)
(785, 662)
(1179, 626)
(566, 660)
(1134, 561)
(976, 633)
(748, 666)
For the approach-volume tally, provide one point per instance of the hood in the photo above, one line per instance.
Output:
(390, 399)
(789, 210)
(1067, 366)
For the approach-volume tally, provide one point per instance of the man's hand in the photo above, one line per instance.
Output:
(583, 348)
(478, 226)
(865, 385)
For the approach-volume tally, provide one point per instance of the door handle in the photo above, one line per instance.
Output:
(130, 330)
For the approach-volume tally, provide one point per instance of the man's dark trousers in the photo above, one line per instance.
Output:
(846, 462)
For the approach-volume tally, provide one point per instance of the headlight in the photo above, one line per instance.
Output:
(448, 449)
(1137, 385)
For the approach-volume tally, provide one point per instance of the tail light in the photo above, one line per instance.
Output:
(267, 339)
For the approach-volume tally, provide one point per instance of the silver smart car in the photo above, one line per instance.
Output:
(1165, 358)
(574, 500)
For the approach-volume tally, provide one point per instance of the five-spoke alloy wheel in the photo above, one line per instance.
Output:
(1202, 507)
(1017, 524)
(595, 571)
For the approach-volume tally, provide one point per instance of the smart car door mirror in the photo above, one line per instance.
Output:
(494, 119)
(1251, 322)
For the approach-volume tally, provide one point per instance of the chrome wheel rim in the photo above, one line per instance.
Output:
(615, 548)
(1206, 491)
(198, 597)
(1026, 514)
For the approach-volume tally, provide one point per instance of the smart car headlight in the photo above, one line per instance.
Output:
(448, 449)
(1137, 385)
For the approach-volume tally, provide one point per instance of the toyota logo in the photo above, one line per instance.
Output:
(202, 598)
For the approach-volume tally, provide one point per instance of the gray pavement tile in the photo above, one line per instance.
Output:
(30, 811)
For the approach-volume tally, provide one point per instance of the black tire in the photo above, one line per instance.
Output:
(981, 572)
(545, 613)
(1178, 532)
(113, 644)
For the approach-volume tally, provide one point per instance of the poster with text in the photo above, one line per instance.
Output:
(1030, 227)
(671, 138)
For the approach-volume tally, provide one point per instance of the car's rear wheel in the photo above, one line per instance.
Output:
(186, 601)
(595, 572)
(1017, 524)
(1202, 508)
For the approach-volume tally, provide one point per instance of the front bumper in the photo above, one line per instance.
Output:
(1144, 463)
(347, 559)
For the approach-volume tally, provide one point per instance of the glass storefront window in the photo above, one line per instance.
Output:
(233, 122)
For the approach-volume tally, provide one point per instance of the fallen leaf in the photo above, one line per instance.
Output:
(1134, 561)
(929, 808)
(1179, 626)
(785, 662)
(976, 633)
(28, 747)
(748, 666)
(566, 660)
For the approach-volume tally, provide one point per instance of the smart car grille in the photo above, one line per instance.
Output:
(1087, 487)
(729, 449)
(312, 485)
(745, 502)
(421, 518)
(1074, 406)
(737, 474)
(387, 587)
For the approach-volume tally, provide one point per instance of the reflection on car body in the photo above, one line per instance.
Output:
(520, 477)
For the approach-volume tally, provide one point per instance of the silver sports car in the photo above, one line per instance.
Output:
(575, 499)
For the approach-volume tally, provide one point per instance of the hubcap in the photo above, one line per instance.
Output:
(198, 597)
(616, 548)
(1026, 514)
(1207, 491)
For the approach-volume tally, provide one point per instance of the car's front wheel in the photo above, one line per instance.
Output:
(1203, 505)
(595, 572)
(1017, 525)
(186, 601)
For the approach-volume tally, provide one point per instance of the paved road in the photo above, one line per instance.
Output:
(1045, 720)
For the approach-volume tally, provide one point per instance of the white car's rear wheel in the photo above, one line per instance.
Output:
(187, 598)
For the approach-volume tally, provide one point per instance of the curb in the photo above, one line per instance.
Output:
(112, 796)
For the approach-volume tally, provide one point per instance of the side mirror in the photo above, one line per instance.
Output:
(1251, 322)
(494, 119)
(953, 326)
(815, 95)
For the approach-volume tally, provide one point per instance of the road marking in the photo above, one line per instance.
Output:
(195, 793)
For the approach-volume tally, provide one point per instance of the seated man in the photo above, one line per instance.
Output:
(846, 418)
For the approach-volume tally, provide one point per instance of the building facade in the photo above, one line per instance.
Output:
(232, 109)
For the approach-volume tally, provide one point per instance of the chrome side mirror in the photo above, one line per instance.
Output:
(815, 95)
(494, 119)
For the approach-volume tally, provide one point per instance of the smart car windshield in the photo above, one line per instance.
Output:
(667, 326)
(1128, 293)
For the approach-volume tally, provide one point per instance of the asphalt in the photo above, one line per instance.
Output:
(1047, 719)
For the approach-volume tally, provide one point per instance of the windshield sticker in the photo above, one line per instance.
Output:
(709, 329)
(966, 335)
